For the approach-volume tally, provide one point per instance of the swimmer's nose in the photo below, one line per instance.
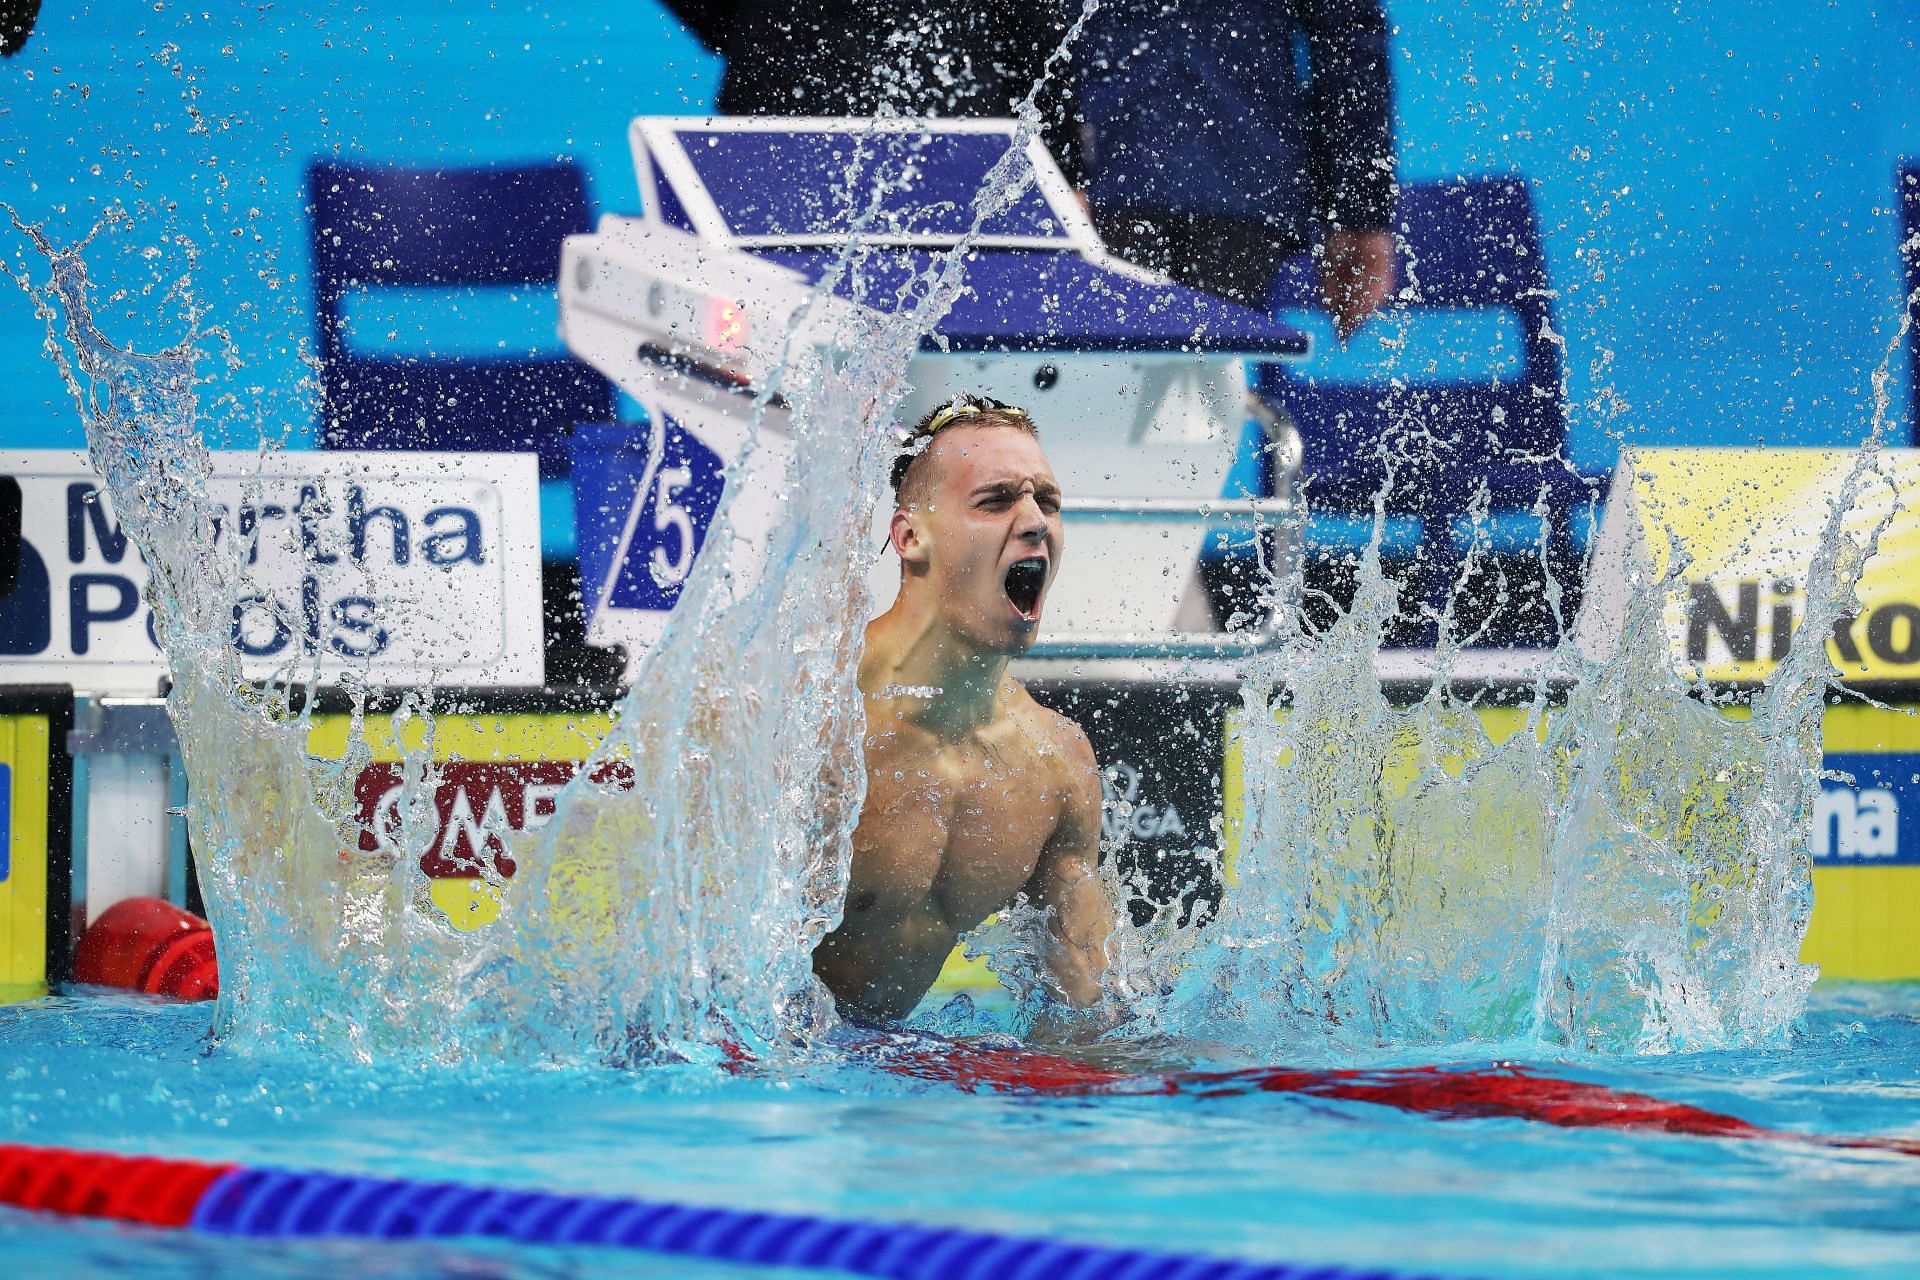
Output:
(1033, 521)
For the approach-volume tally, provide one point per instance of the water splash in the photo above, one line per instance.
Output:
(670, 908)
(1624, 873)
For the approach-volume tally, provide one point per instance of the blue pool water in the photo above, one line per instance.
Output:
(1267, 1177)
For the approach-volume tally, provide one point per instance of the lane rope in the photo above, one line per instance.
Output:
(283, 1204)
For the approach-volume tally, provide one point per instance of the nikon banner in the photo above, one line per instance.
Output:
(1738, 530)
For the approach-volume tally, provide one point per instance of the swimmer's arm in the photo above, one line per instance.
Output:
(1066, 886)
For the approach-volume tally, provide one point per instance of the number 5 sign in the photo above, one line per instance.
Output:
(644, 497)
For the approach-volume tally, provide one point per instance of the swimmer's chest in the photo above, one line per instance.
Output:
(960, 830)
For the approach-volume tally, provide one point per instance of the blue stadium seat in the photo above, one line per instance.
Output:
(1908, 184)
(1469, 243)
(376, 227)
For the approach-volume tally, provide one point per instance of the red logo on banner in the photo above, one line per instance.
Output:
(479, 807)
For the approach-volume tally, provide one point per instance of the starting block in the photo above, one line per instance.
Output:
(1137, 384)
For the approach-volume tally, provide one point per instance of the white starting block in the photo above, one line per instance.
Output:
(1136, 384)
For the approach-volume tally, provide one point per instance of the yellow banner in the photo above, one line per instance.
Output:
(1748, 522)
(1866, 917)
(26, 747)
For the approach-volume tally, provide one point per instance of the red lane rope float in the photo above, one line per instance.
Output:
(1503, 1090)
(145, 1189)
(285, 1204)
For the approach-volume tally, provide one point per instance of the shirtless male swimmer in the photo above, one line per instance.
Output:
(975, 792)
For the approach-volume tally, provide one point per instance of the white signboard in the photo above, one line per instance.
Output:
(409, 567)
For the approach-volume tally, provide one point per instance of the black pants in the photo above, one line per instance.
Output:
(1229, 256)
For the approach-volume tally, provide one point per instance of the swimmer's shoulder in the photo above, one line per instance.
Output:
(1056, 738)
(1064, 757)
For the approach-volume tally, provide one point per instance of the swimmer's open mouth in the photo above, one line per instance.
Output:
(1025, 580)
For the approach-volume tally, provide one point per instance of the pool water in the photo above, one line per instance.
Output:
(1268, 1176)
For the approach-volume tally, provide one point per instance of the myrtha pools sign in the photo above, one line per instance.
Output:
(407, 566)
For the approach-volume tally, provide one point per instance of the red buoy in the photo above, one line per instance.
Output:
(145, 944)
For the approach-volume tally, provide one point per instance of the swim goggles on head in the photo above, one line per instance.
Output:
(957, 408)
(914, 440)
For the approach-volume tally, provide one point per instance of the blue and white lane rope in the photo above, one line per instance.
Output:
(267, 1203)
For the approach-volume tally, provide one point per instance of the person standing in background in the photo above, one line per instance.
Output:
(851, 57)
(1212, 157)
(16, 24)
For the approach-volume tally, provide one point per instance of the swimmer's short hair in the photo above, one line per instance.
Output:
(966, 410)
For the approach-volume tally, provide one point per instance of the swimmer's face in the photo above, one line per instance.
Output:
(979, 527)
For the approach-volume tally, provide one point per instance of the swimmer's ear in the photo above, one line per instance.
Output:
(905, 536)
